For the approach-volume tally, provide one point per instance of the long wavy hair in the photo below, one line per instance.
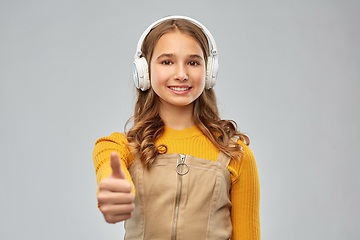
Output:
(147, 124)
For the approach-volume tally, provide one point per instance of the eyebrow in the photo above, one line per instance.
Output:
(196, 56)
(169, 55)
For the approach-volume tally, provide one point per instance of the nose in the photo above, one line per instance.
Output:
(181, 73)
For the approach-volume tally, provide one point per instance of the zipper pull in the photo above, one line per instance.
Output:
(179, 166)
(182, 158)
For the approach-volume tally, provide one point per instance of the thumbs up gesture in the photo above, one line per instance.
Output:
(115, 198)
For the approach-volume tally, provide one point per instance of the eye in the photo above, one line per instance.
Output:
(166, 62)
(193, 63)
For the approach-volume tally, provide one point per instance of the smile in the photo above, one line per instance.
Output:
(180, 88)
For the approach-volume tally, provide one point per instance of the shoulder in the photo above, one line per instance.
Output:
(243, 166)
(247, 154)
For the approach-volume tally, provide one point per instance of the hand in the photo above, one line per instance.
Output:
(115, 198)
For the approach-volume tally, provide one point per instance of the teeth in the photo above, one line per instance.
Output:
(179, 88)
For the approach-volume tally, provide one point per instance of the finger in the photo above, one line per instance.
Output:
(117, 218)
(116, 198)
(114, 185)
(117, 172)
(116, 213)
(119, 209)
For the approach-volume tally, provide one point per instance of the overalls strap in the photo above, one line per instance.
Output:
(223, 159)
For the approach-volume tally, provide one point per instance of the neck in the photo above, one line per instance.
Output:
(177, 117)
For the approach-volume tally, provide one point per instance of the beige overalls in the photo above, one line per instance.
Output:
(181, 197)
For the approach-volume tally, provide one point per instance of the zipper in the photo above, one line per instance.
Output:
(180, 173)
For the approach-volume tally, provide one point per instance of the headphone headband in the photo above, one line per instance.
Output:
(210, 38)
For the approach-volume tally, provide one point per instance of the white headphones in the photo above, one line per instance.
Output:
(140, 66)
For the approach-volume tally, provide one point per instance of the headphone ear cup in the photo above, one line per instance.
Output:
(141, 74)
(211, 72)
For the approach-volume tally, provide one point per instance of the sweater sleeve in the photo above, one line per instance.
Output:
(245, 197)
(101, 156)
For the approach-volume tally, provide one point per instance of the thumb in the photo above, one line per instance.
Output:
(117, 172)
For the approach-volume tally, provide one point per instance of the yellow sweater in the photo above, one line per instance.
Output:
(245, 187)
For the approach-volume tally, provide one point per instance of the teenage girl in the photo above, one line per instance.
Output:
(180, 172)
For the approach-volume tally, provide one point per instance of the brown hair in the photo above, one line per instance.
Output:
(148, 126)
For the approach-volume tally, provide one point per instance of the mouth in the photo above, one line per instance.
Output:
(180, 89)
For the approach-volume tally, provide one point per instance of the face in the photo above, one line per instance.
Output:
(177, 69)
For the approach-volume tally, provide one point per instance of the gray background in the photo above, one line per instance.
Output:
(289, 75)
